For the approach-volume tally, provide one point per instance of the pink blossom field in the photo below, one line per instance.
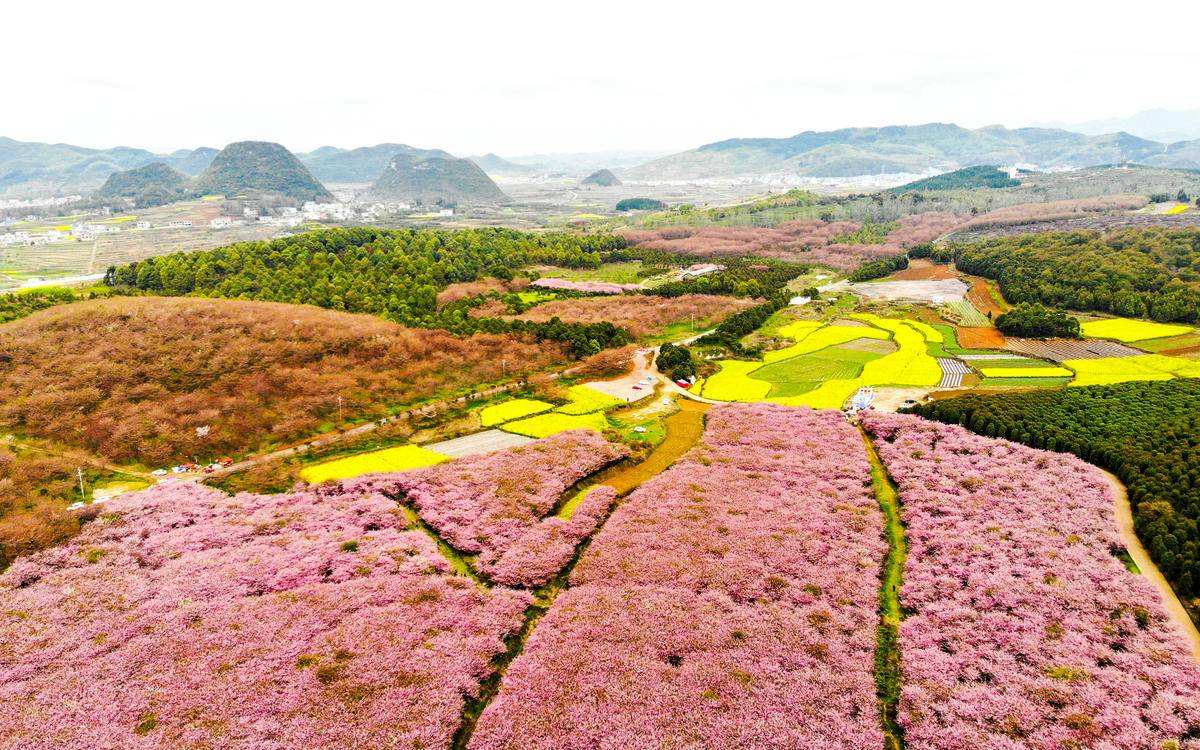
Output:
(729, 602)
(496, 506)
(189, 619)
(1025, 630)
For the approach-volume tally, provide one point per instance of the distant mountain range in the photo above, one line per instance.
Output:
(62, 167)
(1153, 124)
(918, 148)
(40, 168)
(365, 164)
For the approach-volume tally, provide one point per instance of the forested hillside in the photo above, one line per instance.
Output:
(393, 273)
(151, 185)
(962, 179)
(1147, 433)
(259, 166)
(1134, 272)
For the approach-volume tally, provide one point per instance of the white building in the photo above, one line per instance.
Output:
(221, 222)
(179, 224)
(142, 225)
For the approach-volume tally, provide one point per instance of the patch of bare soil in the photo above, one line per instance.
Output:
(980, 338)
(923, 269)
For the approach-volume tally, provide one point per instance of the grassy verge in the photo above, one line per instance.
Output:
(888, 676)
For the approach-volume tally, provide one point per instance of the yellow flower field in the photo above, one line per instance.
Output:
(818, 339)
(400, 458)
(1129, 330)
(496, 414)
(910, 365)
(733, 383)
(585, 400)
(545, 425)
(1109, 370)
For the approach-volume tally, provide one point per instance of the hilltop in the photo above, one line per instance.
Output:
(151, 185)
(983, 176)
(493, 164)
(436, 179)
(259, 166)
(191, 161)
(918, 148)
(601, 178)
(364, 164)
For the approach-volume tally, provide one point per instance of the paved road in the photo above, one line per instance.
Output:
(488, 441)
(1134, 545)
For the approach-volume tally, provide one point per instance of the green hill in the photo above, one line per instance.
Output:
(601, 178)
(259, 167)
(962, 179)
(435, 180)
(151, 185)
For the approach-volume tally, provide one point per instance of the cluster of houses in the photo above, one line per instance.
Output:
(86, 232)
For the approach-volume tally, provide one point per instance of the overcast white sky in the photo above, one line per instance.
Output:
(520, 77)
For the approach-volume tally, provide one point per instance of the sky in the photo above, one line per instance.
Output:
(536, 77)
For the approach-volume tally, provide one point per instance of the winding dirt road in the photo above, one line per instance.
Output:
(1149, 569)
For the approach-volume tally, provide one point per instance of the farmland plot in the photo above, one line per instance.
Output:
(1024, 628)
(729, 602)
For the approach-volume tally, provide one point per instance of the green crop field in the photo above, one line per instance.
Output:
(623, 272)
(797, 375)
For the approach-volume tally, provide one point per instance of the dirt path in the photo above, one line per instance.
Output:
(1149, 569)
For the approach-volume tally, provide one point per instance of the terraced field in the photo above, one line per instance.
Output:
(828, 373)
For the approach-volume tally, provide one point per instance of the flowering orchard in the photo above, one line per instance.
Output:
(728, 602)
(186, 618)
(495, 506)
(1025, 630)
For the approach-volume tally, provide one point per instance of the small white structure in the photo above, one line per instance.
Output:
(142, 225)
(701, 269)
(862, 399)
(221, 222)
(179, 224)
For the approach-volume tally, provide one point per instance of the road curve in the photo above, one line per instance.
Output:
(1134, 545)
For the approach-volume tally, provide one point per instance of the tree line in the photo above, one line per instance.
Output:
(1147, 433)
(1141, 273)
(395, 274)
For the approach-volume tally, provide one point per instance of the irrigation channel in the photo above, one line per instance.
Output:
(888, 677)
(683, 430)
